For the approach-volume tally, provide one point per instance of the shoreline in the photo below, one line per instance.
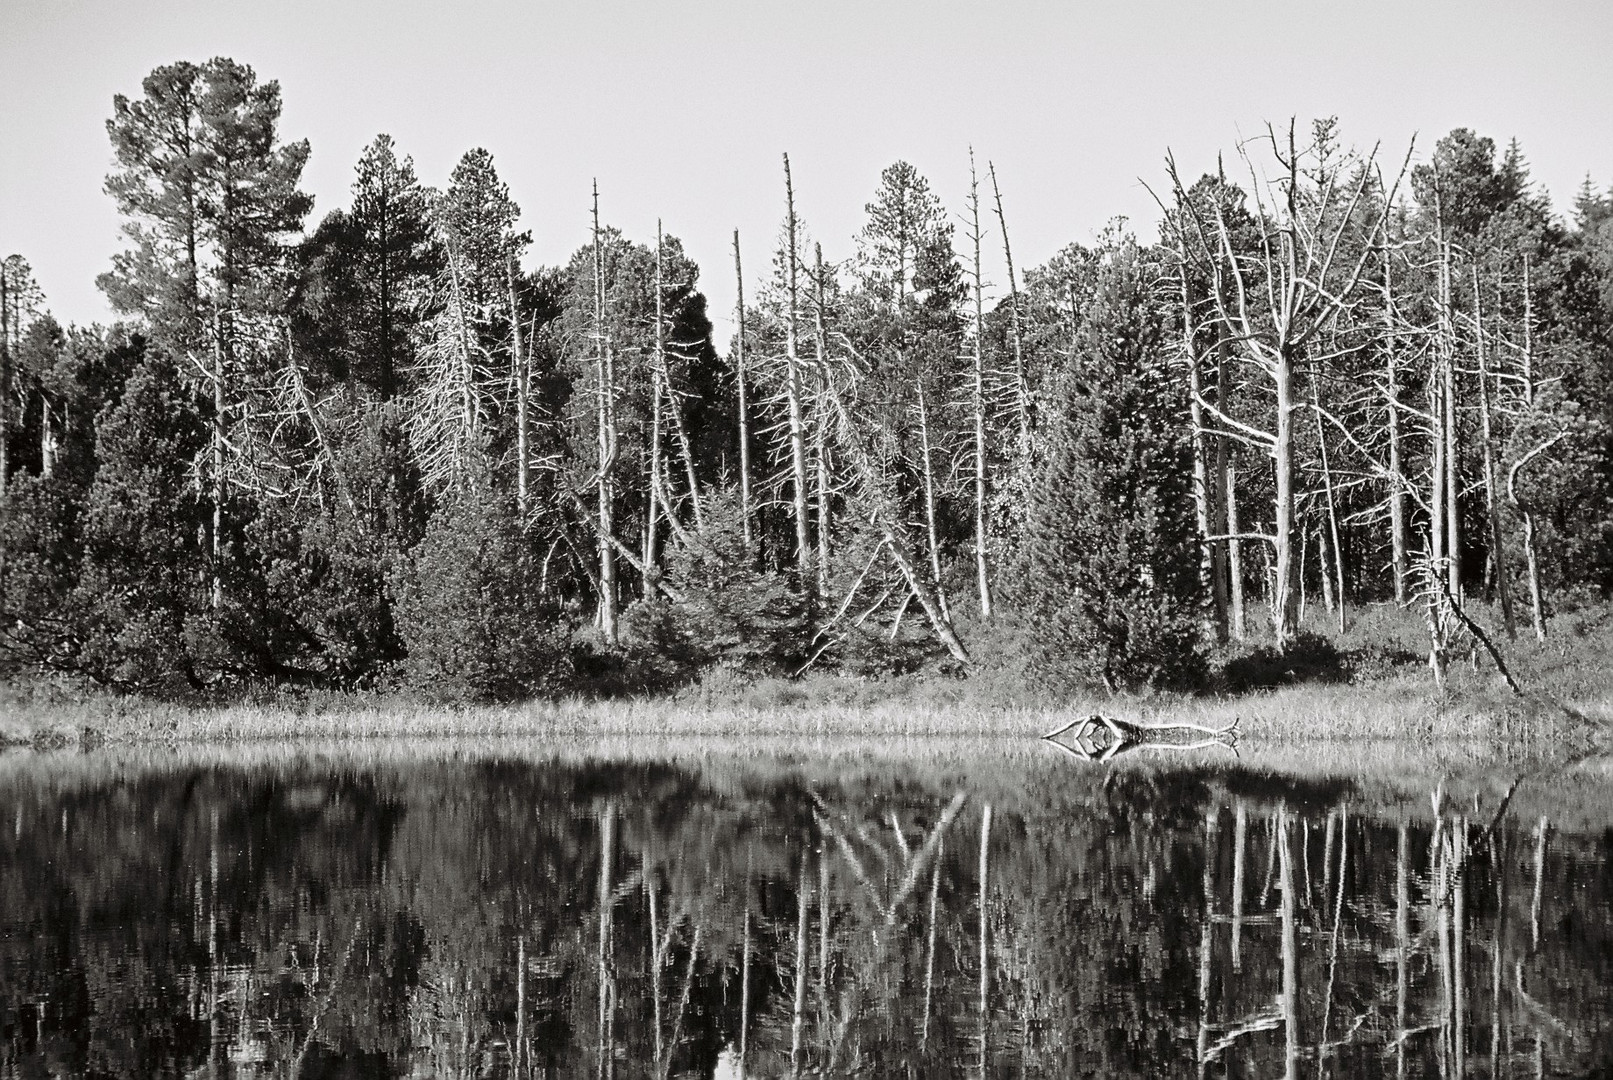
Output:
(1402, 707)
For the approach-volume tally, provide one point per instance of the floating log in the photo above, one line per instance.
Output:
(1100, 738)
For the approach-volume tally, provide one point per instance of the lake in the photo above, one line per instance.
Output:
(922, 908)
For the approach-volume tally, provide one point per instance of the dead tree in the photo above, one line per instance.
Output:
(1212, 558)
(1492, 510)
(605, 415)
(978, 397)
(744, 402)
(1304, 283)
(792, 378)
(1022, 402)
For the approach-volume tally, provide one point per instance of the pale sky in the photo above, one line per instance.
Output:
(682, 110)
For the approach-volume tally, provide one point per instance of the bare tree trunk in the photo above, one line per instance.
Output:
(984, 1013)
(798, 1021)
(1234, 555)
(982, 574)
(1492, 511)
(1212, 833)
(1240, 836)
(652, 522)
(5, 378)
(1323, 556)
(1022, 396)
(518, 1052)
(1286, 585)
(1498, 950)
(523, 386)
(1402, 944)
(47, 437)
(744, 984)
(929, 949)
(1530, 555)
(218, 466)
(1399, 562)
(792, 383)
(1332, 512)
(744, 401)
(932, 536)
(1446, 378)
(605, 372)
(606, 1058)
(673, 404)
(820, 346)
(1289, 999)
(1211, 558)
(1223, 510)
(1459, 945)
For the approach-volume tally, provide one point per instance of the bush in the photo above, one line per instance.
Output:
(470, 610)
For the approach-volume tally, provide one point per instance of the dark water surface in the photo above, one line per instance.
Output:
(918, 910)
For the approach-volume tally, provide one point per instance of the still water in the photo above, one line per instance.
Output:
(921, 910)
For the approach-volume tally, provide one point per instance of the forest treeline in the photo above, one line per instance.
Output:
(374, 449)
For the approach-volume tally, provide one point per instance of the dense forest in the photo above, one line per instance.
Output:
(375, 450)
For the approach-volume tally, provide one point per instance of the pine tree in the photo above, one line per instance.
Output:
(1108, 575)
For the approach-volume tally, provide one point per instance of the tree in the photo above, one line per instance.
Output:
(140, 588)
(209, 200)
(1109, 569)
(909, 334)
(207, 195)
(1277, 302)
(470, 608)
(367, 274)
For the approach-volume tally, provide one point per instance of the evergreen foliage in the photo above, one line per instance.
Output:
(471, 610)
(1110, 560)
(386, 450)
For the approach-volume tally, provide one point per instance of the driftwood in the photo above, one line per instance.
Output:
(1100, 738)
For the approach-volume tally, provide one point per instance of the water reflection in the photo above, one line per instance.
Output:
(518, 917)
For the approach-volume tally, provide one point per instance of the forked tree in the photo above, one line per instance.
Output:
(1281, 298)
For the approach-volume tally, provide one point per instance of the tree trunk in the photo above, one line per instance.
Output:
(1492, 509)
(1224, 513)
(652, 517)
(1399, 562)
(1332, 514)
(1022, 405)
(984, 1013)
(820, 346)
(792, 384)
(744, 401)
(982, 574)
(5, 378)
(605, 373)
(523, 388)
(1234, 555)
(671, 396)
(932, 536)
(1211, 558)
(606, 1060)
(1531, 557)
(798, 1015)
(1288, 1000)
(1446, 417)
(217, 553)
(1285, 587)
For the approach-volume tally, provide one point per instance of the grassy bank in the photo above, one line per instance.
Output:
(1368, 683)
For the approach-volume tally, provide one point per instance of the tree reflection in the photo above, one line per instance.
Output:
(521, 920)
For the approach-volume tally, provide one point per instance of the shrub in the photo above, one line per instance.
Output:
(470, 610)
